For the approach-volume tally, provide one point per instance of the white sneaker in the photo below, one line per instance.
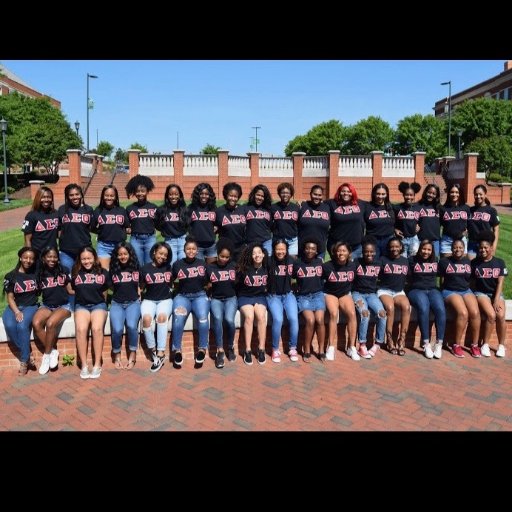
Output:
(96, 372)
(501, 351)
(84, 372)
(330, 353)
(438, 350)
(485, 350)
(427, 350)
(45, 364)
(54, 358)
(352, 353)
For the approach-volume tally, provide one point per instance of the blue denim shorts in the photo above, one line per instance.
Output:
(311, 302)
(105, 249)
(447, 293)
(92, 307)
(66, 306)
(490, 295)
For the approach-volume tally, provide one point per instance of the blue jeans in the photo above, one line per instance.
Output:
(19, 332)
(67, 259)
(154, 308)
(142, 244)
(199, 305)
(223, 310)
(424, 301)
(411, 246)
(178, 247)
(370, 303)
(382, 246)
(276, 304)
(121, 313)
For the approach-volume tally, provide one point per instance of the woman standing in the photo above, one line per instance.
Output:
(171, 220)
(21, 287)
(428, 221)
(285, 215)
(406, 218)
(142, 217)
(483, 217)
(41, 222)
(454, 216)
(55, 284)
(75, 218)
(230, 219)
(111, 222)
(258, 228)
(314, 220)
(379, 217)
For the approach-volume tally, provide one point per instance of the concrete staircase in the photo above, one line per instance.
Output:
(100, 180)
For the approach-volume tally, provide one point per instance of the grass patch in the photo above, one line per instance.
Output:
(14, 203)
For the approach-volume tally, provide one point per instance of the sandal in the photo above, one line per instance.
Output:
(131, 362)
(401, 346)
(117, 362)
(390, 345)
(23, 368)
(306, 357)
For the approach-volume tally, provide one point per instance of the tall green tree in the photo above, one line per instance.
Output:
(494, 154)
(421, 133)
(121, 156)
(137, 145)
(319, 140)
(37, 133)
(210, 149)
(370, 134)
(105, 148)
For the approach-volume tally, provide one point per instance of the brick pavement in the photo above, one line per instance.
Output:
(10, 219)
(387, 393)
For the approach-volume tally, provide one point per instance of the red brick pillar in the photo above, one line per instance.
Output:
(470, 181)
(419, 167)
(99, 164)
(133, 162)
(179, 163)
(75, 166)
(334, 165)
(377, 157)
(35, 185)
(222, 163)
(254, 164)
(298, 166)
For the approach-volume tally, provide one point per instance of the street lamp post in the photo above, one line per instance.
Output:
(459, 134)
(88, 107)
(449, 84)
(77, 127)
(256, 128)
(3, 126)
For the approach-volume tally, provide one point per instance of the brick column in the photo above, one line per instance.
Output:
(334, 165)
(179, 163)
(419, 167)
(222, 163)
(377, 157)
(254, 164)
(99, 164)
(298, 166)
(133, 162)
(75, 166)
(470, 169)
(35, 185)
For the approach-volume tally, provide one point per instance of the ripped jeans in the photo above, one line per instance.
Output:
(370, 303)
(185, 303)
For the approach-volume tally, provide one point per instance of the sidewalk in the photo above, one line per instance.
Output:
(387, 393)
(10, 219)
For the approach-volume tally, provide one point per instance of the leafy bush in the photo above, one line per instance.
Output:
(496, 177)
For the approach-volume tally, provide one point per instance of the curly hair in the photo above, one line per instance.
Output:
(284, 185)
(309, 240)
(267, 198)
(67, 190)
(225, 243)
(138, 181)
(404, 186)
(115, 264)
(228, 187)
(197, 191)
(246, 261)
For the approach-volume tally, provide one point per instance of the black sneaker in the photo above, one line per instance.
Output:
(219, 360)
(201, 356)
(231, 354)
(178, 358)
(248, 357)
(157, 364)
(261, 357)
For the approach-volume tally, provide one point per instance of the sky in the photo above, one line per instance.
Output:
(186, 104)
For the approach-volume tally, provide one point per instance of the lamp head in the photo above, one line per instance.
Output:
(77, 125)
(459, 133)
(446, 83)
(3, 125)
